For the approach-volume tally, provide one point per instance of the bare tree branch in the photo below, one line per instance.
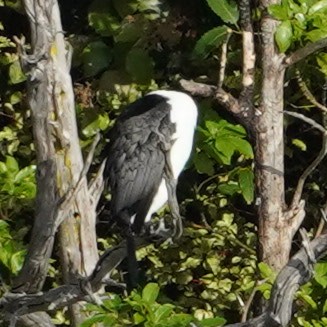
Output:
(19, 304)
(297, 272)
(304, 52)
(307, 120)
(248, 55)
(198, 89)
(223, 61)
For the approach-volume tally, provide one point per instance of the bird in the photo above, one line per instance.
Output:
(149, 145)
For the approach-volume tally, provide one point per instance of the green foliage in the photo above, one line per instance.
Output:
(210, 41)
(227, 10)
(127, 23)
(211, 268)
(221, 143)
(312, 300)
(141, 73)
(142, 310)
(301, 21)
(12, 252)
(17, 187)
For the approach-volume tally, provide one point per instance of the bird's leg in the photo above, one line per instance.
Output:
(159, 230)
(133, 273)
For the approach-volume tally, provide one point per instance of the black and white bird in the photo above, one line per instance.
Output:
(150, 144)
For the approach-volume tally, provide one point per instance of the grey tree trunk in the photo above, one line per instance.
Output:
(63, 196)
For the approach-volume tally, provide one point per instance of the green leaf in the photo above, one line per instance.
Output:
(179, 320)
(150, 293)
(12, 164)
(224, 150)
(138, 318)
(245, 179)
(16, 97)
(102, 18)
(210, 41)
(139, 65)
(226, 10)
(16, 74)
(96, 57)
(284, 36)
(266, 271)
(100, 123)
(91, 321)
(318, 6)
(130, 31)
(321, 273)
(125, 7)
(324, 308)
(28, 171)
(203, 164)
(322, 62)
(16, 261)
(299, 144)
(316, 35)
(240, 145)
(212, 322)
(229, 189)
(163, 312)
(307, 298)
(279, 12)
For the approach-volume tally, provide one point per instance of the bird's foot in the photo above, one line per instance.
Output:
(159, 231)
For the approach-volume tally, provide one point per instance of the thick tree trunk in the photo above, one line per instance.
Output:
(277, 222)
(63, 194)
(274, 240)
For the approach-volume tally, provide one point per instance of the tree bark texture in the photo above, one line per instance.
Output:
(277, 222)
(63, 196)
(274, 243)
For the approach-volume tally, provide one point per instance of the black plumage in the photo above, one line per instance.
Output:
(141, 138)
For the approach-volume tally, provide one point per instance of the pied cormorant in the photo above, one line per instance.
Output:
(152, 136)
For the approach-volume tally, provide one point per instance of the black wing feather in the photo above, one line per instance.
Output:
(136, 157)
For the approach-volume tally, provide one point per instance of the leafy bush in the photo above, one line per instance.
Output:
(143, 310)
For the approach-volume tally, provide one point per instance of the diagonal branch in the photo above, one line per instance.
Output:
(18, 304)
(304, 52)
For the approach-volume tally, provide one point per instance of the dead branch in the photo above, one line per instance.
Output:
(248, 55)
(306, 119)
(297, 272)
(223, 61)
(304, 52)
(20, 304)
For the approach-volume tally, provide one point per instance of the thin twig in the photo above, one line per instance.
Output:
(223, 60)
(299, 188)
(249, 301)
(307, 120)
